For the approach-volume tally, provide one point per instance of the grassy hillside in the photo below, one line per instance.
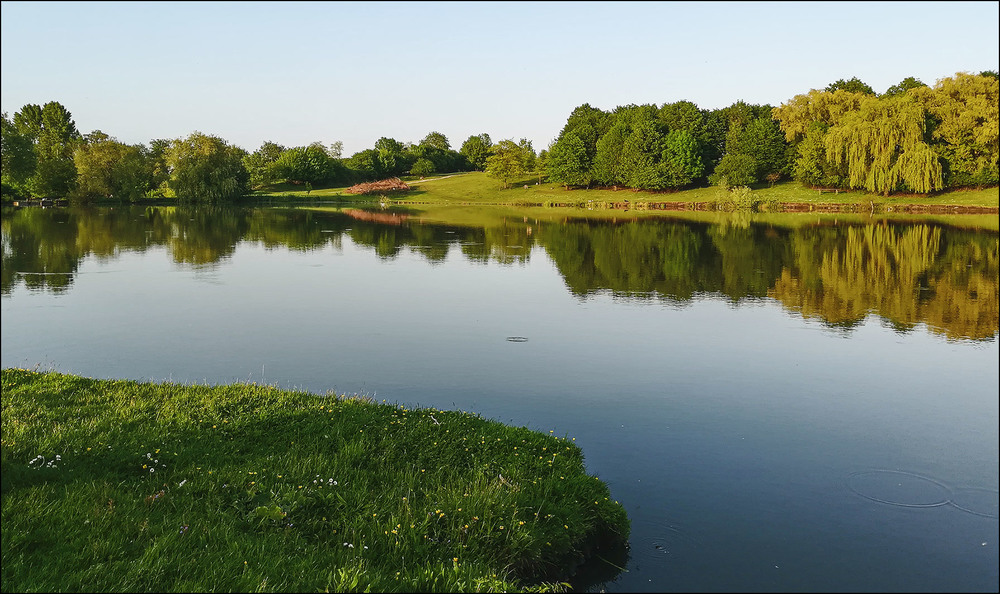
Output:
(476, 188)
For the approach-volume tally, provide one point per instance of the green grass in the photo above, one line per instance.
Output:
(476, 188)
(124, 486)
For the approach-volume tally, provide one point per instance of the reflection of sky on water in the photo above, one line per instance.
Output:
(728, 431)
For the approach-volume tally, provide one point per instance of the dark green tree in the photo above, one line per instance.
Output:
(737, 169)
(855, 85)
(306, 165)
(811, 166)
(903, 86)
(422, 167)
(568, 161)
(259, 164)
(686, 116)
(365, 166)
(436, 140)
(29, 122)
(528, 155)
(392, 156)
(755, 147)
(589, 123)
(19, 159)
(54, 135)
(160, 171)
(681, 159)
(476, 150)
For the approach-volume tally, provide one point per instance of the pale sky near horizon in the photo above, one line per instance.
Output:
(299, 72)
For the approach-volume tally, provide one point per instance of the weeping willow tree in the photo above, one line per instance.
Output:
(883, 144)
(828, 108)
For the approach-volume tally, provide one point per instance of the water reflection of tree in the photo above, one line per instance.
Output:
(299, 230)
(672, 260)
(944, 278)
(751, 258)
(907, 274)
(40, 249)
(206, 234)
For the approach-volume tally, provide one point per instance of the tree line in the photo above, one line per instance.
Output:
(45, 156)
(912, 138)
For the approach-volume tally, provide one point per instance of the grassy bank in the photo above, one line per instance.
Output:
(477, 188)
(123, 486)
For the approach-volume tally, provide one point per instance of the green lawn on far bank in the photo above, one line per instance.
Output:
(140, 487)
(476, 188)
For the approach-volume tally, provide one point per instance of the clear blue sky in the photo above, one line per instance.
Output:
(299, 72)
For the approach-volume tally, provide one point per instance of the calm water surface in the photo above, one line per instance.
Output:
(807, 408)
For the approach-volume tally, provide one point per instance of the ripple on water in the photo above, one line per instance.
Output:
(978, 501)
(900, 488)
(661, 541)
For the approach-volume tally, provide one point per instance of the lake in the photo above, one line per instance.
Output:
(796, 403)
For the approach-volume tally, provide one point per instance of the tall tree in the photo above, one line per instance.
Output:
(681, 156)
(966, 127)
(589, 124)
(799, 112)
(365, 165)
(755, 147)
(54, 135)
(476, 149)
(392, 156)
(568, 162)
(29, 121)
(422, 167)
(855, 85)
(528, 155)
(19, 159)
(259, 164)
(904, 85)
(686, 116)
(508, 161)
(206, 168)
(436, 140)
(157, 155)
(884, 147)
(107, 168)
(811, 166)
(305, 165)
